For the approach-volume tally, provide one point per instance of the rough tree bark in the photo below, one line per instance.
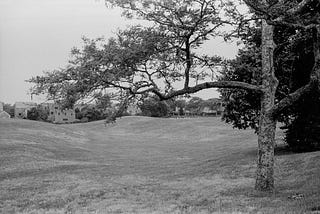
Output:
(269, 110)
(267, 124)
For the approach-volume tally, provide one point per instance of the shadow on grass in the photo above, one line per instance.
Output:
(283, 150)
(286, 150)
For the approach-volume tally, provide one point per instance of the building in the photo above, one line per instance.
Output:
(4, 114)
(21, 109)
(59, 115)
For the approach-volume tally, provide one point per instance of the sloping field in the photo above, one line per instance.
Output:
(146, 165)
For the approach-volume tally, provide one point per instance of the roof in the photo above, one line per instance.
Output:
(25, 104)
(4, 114)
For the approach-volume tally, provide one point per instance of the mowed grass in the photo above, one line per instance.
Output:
(146, 165)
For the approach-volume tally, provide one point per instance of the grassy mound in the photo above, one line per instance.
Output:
(146, 165)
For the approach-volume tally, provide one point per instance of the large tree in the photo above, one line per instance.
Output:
(293, 63)
(158, 58)
(287, 13)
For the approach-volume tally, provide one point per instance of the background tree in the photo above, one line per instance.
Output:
(153, 107)
(195, 104)
(214, 104)
(140, 59)
(103, 102)
(90, 113)
(38, 113)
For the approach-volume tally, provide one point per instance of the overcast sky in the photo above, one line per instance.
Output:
(37, 35)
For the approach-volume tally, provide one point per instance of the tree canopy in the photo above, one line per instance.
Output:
(294, 60)
(146, 59)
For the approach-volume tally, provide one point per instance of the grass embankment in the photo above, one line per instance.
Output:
(146, 165)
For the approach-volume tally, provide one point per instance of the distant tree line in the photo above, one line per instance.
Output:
(154, 107)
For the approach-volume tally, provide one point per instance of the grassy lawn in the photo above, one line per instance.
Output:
(146, 165)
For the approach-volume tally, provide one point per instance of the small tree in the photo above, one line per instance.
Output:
(91, 113)
(195, 104)
(38, 113)
(103, 102)
(153, 107)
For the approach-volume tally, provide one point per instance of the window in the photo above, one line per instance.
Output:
(65, 119)
(52, 112)
(59, 113)
(56, 107)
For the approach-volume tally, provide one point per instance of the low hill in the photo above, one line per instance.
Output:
(146, 165)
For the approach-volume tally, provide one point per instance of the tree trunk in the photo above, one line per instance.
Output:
(267, 125)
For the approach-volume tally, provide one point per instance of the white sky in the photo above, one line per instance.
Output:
(37, 35)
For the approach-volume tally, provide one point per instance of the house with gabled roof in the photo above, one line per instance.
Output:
(21, 109)
(3, 114)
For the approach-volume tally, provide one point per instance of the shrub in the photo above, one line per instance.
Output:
(37, 113)
(154, 108)
(303, 134)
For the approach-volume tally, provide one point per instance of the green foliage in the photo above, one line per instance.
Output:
(103, 102)
(303, 132)
(194, 105)
(152, 107)
(33, 114)
(213, 103)
(293, 63)
(97, 111)
(78, 113)
(90, 113)
(241, 106)
(38, 113)
(101, 65)
(138, 60)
